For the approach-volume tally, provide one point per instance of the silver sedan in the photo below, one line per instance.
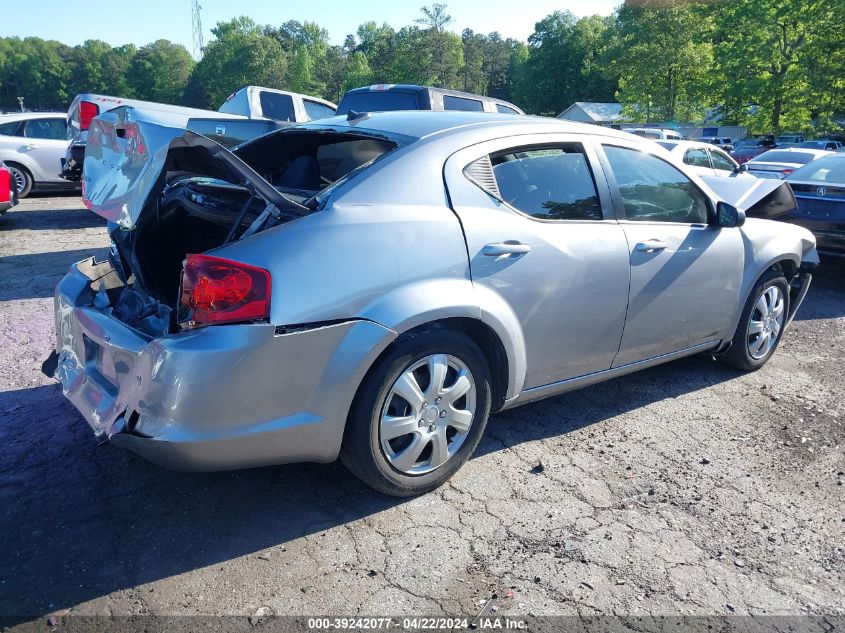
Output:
(372, 287)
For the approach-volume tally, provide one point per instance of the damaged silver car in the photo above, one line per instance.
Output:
(373, 287)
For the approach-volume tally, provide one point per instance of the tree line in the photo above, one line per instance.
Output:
(771, 65)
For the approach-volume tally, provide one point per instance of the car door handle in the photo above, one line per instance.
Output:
(31, 146)
(506, 248)
(650, 245)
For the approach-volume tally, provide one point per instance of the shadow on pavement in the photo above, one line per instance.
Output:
(21, 218)
(826, 297)
(80, 521)
(36, 275)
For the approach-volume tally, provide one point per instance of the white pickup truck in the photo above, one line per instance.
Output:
(246, 114)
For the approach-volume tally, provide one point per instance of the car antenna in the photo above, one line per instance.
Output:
(356, 116)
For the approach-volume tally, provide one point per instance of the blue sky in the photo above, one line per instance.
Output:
(144, 21)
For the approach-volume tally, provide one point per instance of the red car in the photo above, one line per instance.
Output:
(749, 148)
(8, 191)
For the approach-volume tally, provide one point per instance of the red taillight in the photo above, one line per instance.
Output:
(787, 171)
(216, 290)
(87, 112)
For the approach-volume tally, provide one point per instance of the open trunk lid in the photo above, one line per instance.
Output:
(129, 154)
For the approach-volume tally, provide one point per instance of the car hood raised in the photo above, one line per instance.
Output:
(757, 197)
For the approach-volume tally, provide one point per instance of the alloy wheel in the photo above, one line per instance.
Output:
(427, 414)
(20, 179)
(766, 322)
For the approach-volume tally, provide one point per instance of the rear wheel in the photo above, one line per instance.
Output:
(419, 414)
(22, 179)
(761, 324)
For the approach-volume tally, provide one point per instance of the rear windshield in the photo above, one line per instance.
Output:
(377, 101)
(775, 156)
(828, 169)
(669, 146)
(306, 161)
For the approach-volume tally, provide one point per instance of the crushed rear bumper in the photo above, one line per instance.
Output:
(214, 398)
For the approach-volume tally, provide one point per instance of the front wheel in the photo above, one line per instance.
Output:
(761, 324)
(419, 414)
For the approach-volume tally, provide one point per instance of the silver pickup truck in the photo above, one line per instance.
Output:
(247, 113)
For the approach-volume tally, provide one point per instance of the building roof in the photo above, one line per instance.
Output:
(596, 111)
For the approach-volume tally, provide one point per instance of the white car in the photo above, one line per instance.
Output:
(779, 163)
(705, 159)
(33, 145)
(654, 133)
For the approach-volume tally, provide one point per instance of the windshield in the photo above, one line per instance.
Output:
(377, 101)
(829, 169)
(748, 143)
(777, 156)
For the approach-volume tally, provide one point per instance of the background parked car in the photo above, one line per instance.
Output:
(247, 113)
(386, 97)
(789, 140)
(703, 158)
(8, 190)
(825, 144)
(722, 142)
(654, 133)
(779, 163)
(748, 148)
(33, 146)
(819, 189)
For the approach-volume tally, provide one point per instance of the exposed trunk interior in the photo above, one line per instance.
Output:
(202, 204)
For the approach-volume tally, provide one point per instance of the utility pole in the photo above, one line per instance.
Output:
(196, 23)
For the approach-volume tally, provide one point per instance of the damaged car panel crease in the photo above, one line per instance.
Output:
(372, 288)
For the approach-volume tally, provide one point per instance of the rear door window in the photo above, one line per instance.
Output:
(52, 129)
(652, 190)
(461, 103)
(548, 183)
(697, 157)
(316, 110)
(503, 109)
(9, 129)
(721, 161)
(277, 106)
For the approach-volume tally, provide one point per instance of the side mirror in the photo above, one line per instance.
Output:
(728, 216)
(741, 169)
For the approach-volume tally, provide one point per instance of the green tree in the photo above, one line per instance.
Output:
(444, 47)
(664, 60)
(241, 54)
(97, 67)
(379, 44)
(781, 61)
(564, 63)
(358, 72)
(160, 71)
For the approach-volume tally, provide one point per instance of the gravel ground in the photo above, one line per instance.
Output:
(685, 489)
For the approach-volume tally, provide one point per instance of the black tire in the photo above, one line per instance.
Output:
(362, 452)
(21, 174)
(739, 355)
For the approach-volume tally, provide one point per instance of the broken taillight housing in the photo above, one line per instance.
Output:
(87, 112)
(216, 290)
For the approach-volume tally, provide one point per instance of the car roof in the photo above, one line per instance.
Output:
(24, 116)
(676, 143)
(420, 124)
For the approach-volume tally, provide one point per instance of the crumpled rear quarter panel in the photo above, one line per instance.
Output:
(218, 397)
